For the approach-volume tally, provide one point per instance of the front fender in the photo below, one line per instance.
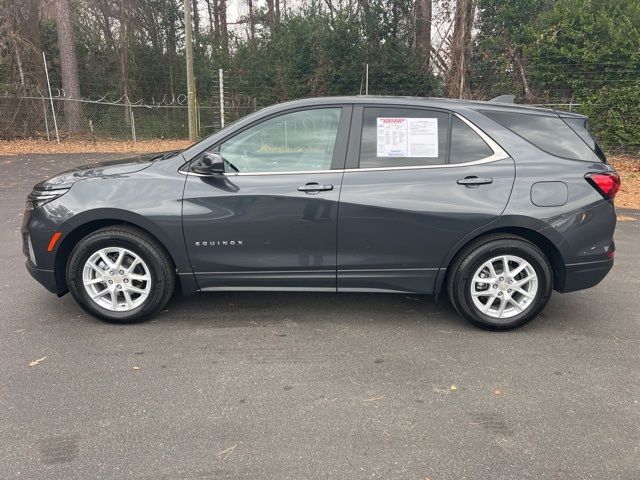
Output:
(168, 232)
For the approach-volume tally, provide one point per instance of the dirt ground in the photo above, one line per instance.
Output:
(629, 170)
(627, 167)
(21, 147)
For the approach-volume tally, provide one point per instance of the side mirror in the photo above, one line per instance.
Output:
(209, 164)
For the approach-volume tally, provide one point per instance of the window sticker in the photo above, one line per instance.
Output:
(407, 137)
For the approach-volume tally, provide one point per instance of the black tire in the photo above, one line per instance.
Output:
(153, 254)
(472, 257)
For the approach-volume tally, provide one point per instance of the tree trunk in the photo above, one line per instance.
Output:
(213, 19)
(423, 33)
(224, 35)
(196, 24)
(456, 81)
(252, 22)
(124, 59)
(222, 22)
(16, 48)
(271, 16)
(519, 67)
(69, 67)
(33, 32)
(215, 26)
(171, 52)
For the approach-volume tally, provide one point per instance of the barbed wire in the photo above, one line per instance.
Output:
(25, 111)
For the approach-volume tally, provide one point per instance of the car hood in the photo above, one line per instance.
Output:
(106, 169)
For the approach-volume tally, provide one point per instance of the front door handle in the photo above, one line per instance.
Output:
(473, 181)
(314, 188)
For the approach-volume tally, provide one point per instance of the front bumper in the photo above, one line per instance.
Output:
(45, 277)
(579, 276)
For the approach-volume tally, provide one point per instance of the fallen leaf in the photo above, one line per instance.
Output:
(453, 388)
(227, 451)
(20, 331)
(37, 362)
(136, 368)
(373, 399)
(626, 218)
(497, 392)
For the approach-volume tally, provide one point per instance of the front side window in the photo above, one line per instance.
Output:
(402, 137)
(298, 141)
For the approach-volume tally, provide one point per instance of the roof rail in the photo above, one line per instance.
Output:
(503, 99)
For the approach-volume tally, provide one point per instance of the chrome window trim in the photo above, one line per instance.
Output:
(498, 154)
(492, 158)
(247, 174)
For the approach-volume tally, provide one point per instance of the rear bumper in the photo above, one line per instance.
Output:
(579, 276)
(45, 277)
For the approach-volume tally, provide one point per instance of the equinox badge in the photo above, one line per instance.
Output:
(220, 243)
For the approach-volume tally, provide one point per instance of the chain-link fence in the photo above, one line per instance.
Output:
(39, 116)
(33, 117)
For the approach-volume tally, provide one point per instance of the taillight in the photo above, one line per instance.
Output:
(607, 183)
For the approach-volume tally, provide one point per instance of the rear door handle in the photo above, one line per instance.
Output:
(314, 188)
(473, 181)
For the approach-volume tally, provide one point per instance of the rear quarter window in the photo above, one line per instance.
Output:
(466, 145)
(547, 132)
(581, 127)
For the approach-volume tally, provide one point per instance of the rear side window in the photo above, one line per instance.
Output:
(402, 137)
(547, 132)
(466, 145)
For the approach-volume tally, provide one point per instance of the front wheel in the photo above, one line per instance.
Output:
(500, 282)
(120, 274)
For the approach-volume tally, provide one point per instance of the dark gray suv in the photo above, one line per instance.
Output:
(495, 204)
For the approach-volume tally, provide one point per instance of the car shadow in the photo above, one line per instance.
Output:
(234, 309)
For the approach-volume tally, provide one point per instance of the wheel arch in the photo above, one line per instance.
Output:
(79, 230)
(536, 237)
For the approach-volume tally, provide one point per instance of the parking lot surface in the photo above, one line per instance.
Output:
(306, 385)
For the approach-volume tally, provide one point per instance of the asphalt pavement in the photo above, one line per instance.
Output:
(308, 385)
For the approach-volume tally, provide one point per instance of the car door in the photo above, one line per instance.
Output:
(417, 181)
(269, 222)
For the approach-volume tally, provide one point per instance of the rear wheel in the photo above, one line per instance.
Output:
(120, 274)
(500, 282)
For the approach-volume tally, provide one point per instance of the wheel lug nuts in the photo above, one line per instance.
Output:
(121, 272)
(112, 272)
(126, 280)
(509, 291)
(118, 286)
(499, 294)
(502, 279)
(495, 286)
(110, 281)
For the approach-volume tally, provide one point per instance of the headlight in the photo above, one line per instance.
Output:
(38, 198)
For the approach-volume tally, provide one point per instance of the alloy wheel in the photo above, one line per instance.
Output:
(504, 286)
(116, 279)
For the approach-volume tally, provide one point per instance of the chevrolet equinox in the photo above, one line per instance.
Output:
(495, 204)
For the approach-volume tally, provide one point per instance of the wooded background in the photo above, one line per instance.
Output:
(125, 55)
